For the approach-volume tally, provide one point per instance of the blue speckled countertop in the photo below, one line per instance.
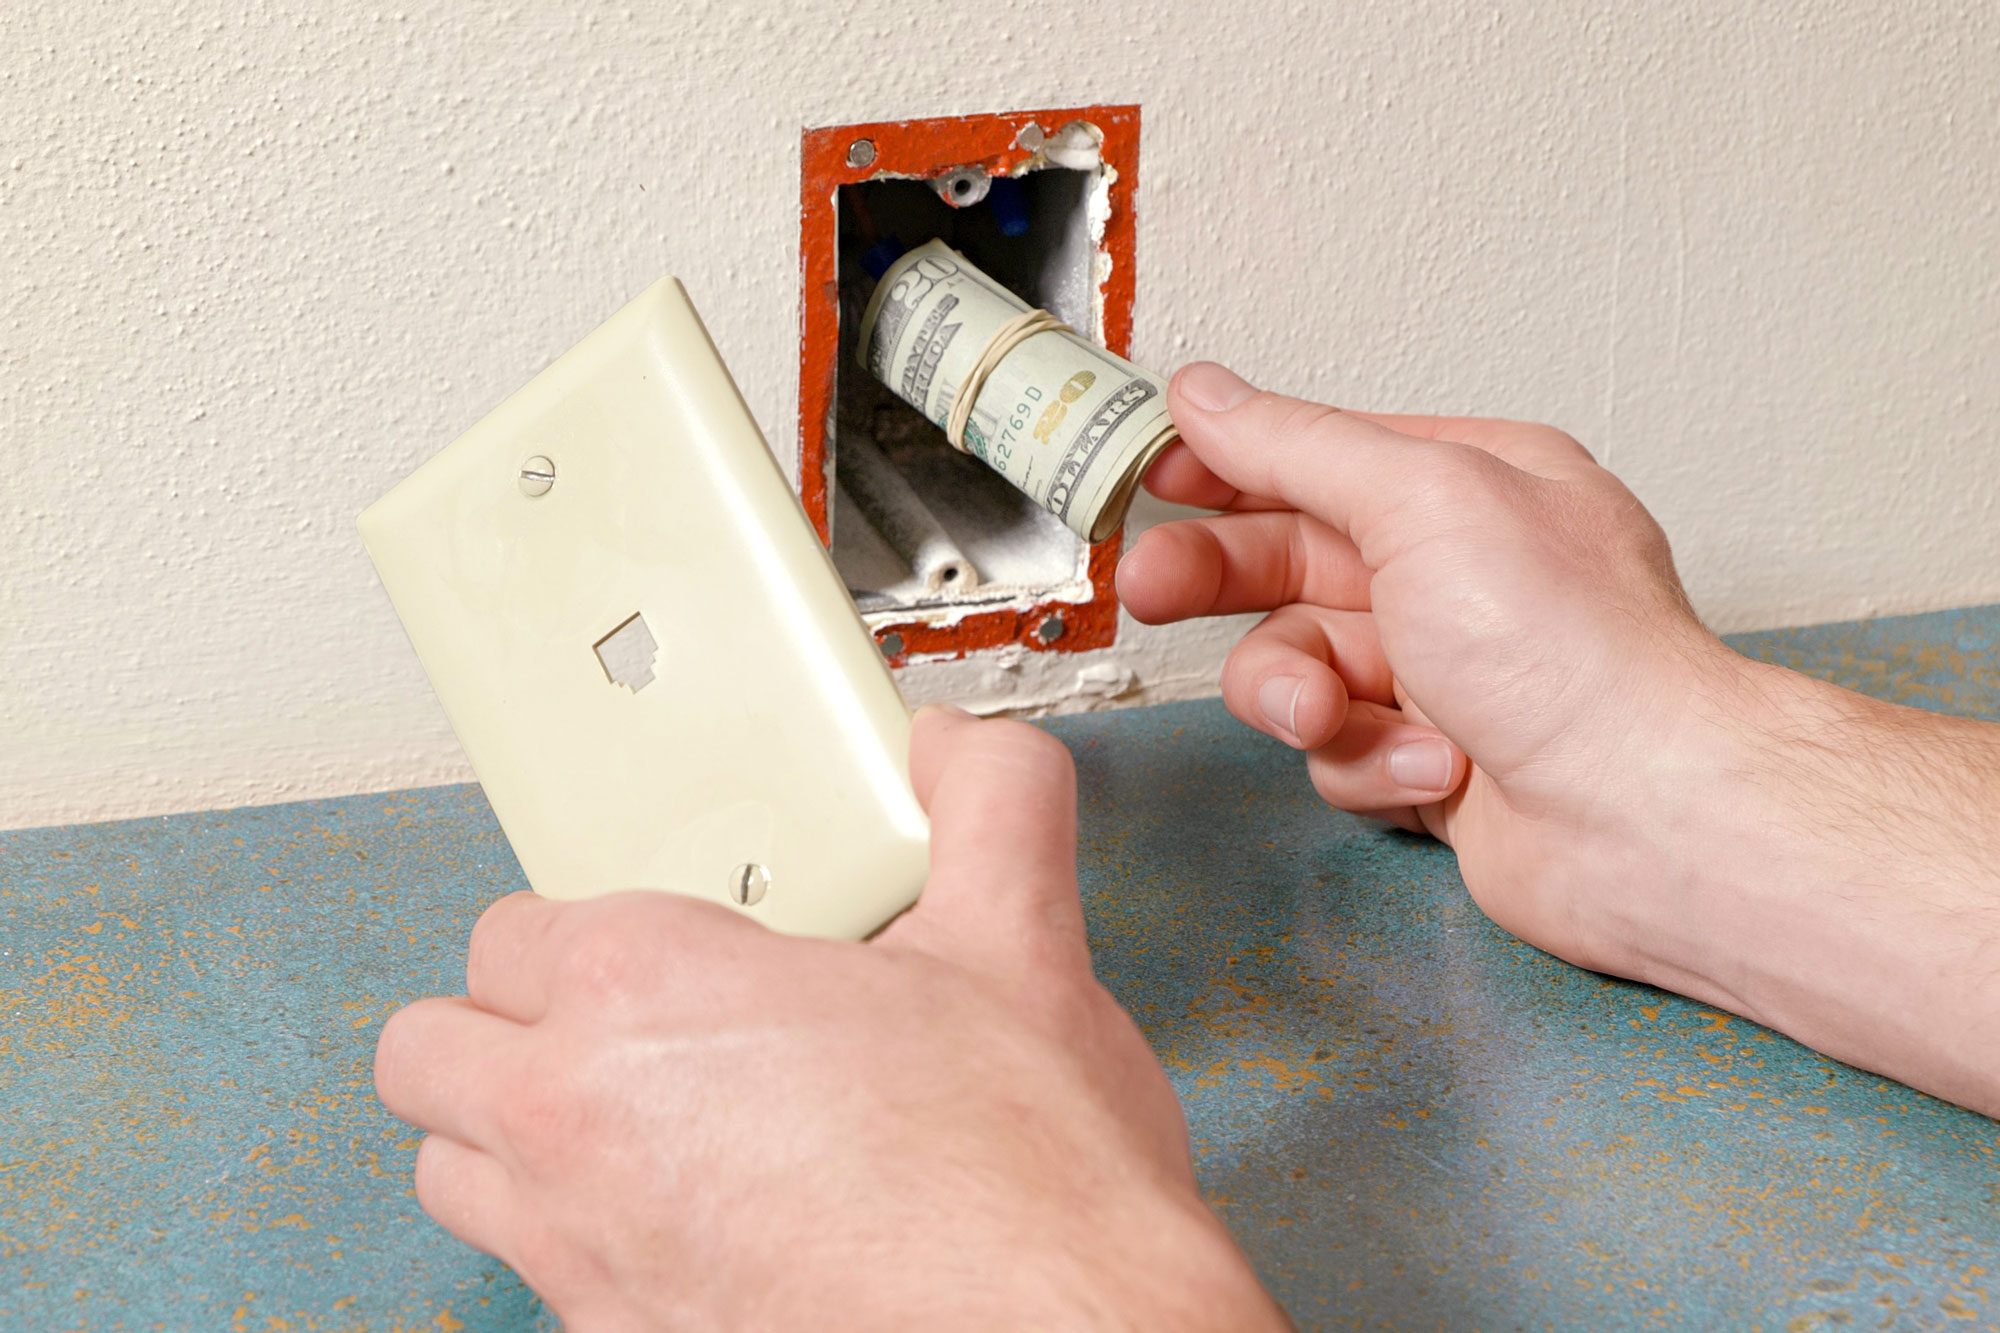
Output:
(1406, 1116)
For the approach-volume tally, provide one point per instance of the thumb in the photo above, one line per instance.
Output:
(1380, 488)
(1002, 802)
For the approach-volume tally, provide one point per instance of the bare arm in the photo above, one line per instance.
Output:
(663, 1115)
(1848, 890)
(1477, 632)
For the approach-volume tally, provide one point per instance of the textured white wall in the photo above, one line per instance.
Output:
(257, 261)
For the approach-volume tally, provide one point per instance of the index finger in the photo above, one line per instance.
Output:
(1348, 471)
(1525, 444)
(1179, 476)
(505, 972)
(439, 1064)
(526, 948)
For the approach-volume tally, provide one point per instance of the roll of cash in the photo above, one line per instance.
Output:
(1070, 425)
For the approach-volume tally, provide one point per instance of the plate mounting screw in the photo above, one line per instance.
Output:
(538, 474)
(861, 153)
(891, 645)
(747, 884)
(1050, 629)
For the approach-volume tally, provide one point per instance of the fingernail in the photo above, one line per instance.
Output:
(1278, 697)
(1213, 388)
(1421, 765)
(941, 710)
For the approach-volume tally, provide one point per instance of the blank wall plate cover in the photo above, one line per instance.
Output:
(652, 665)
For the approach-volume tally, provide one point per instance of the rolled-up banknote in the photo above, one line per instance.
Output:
(1070, 425)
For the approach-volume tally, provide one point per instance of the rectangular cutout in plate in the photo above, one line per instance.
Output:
(627, 654)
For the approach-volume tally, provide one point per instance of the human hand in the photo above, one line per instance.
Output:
(660, 1113)
(1477, 631)
(1438, 588)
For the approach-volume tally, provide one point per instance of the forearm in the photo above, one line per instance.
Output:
(1839, 880)
(1169, 1265)
(1034, 1259)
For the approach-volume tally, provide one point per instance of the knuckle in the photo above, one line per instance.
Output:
(1602, 515)
(1322, 785)
(496, 945)
(1536, 440)
(620, 955)
(1001, 733)
(393, 1051)
(1295, 421)
(1022, 745)
(1331, 780)
(1558, 438)
(1462, 469)
(479, 949)
(547, 1115)
(1463, 484)
(1281, 632)
(428, 1174)
(1291, 624)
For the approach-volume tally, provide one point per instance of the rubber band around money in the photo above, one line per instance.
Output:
(1005, 339)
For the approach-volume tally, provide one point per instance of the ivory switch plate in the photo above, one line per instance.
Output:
(650, 661)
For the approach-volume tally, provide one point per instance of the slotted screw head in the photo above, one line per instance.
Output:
(538, 474)
(747, 884)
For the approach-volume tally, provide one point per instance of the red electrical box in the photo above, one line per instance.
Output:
(1077, 168)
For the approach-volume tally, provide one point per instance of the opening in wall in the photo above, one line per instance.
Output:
(942, 554)
(1032, 233)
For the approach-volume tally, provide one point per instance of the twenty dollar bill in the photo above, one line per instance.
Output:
(1070, 425)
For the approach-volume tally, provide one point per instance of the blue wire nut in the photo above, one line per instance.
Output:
(876, 259)
(1008, 198)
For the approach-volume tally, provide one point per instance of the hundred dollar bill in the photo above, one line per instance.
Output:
(1070, 425)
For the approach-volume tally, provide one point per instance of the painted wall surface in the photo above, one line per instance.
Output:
(257, 261)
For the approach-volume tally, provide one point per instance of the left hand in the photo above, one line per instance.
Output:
(660, 1113)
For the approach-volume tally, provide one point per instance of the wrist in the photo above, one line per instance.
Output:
(1148, 1257)
(1164, 1261)
(1824, 863)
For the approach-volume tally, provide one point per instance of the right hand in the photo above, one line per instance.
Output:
(1474, 631)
